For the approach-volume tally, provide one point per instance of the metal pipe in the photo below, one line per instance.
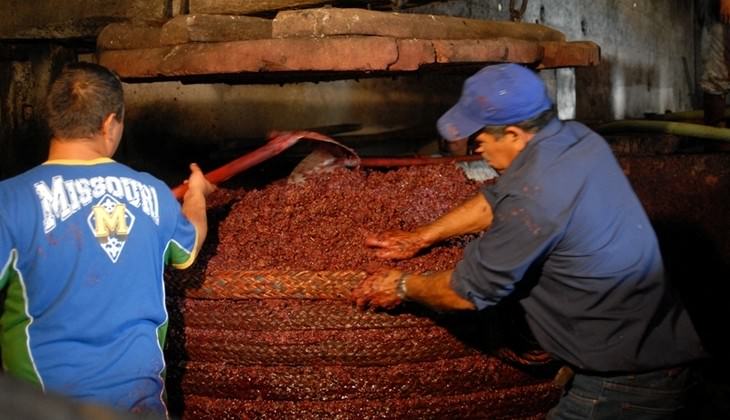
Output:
(696, 114)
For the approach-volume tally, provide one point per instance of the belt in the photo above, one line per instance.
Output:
(566, 373)
(672, 369)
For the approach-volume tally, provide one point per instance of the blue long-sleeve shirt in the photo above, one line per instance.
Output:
(565, 210)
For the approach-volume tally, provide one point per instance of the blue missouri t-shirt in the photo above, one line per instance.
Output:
(83, 246)
(567, 220)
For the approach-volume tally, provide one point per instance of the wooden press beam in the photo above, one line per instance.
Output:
(213, 28)
(247, 7)
(182, 29)
(333, 21)
(331, 40)
(337, 54)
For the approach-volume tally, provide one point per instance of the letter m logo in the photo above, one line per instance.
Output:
(111, 222)
(107, 224)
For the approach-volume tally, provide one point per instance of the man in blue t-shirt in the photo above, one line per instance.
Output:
(83, 245)
(561, 208)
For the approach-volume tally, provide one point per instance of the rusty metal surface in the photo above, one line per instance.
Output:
(687, 198)
(685, 192)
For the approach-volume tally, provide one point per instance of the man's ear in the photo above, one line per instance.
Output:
(513, 133)
(111, 131)
(108, 125)
(517, 135)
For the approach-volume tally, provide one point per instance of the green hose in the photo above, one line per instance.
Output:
(696, 115)
(668, 127)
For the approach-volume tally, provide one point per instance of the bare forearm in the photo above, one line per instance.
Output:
(434, 290)
(194, 209)
(472, 216)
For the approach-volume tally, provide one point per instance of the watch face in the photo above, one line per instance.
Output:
(400, 287)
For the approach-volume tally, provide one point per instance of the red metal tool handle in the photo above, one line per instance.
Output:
(279, 141)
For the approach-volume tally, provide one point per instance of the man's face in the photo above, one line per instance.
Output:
(500, 152)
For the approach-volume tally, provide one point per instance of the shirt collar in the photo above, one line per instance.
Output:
(552, 128)
(549, 130)
(88, 162)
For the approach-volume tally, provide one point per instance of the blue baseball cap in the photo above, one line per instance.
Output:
(499, 94)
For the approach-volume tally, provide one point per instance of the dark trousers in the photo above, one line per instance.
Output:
(654, 395)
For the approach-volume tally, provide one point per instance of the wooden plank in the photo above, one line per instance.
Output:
(248, 7)
(570, 54)
(334, 21)
(501, 50)
(128, 36)
(412, 54)
(213, 28)
(266, 55)
(415, 53)
(338, 54)
(140, 63)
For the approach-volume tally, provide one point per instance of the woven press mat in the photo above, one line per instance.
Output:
(278, 342)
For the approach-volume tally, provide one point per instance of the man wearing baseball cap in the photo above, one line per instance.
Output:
(566, 236)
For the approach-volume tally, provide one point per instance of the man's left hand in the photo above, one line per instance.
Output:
(396, 244)
(378, 291)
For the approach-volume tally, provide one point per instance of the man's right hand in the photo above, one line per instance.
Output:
(378, 291)
(396, 244)
(197, 181)
(193, 205)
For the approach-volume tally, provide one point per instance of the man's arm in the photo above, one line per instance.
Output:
(472, 216)
(193, 206)
(381, 291)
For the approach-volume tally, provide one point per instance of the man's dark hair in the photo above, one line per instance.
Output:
(533, 125)
(81, 98)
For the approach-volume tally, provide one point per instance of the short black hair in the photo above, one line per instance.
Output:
(81, 98)
(533, 125)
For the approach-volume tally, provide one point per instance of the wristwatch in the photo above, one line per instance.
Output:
(400, 287)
